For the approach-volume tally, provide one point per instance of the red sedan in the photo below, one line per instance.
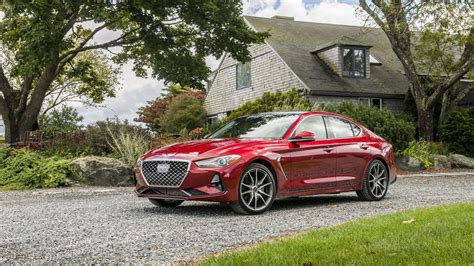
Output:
(253, 160)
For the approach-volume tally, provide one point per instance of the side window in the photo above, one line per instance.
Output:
(340, 128)
(357, 130)
(314, 124)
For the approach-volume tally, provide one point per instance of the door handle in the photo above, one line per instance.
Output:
(364, 146)
(328, 149)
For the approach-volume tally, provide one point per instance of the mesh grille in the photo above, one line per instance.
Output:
(165, 173)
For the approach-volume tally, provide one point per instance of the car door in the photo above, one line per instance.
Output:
(353, 152)
(312, 163)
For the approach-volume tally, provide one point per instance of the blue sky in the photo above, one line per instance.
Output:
(136, 91)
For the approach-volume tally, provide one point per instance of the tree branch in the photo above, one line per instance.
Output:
(464, 65)
(86, 40)
(5, 87)
(363, 4)
(25, 91)
(117, 42)
(3, 105)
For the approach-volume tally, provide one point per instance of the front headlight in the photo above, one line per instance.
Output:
(218, 161)
(139, 163)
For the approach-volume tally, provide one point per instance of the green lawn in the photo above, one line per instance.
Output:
(426, 236)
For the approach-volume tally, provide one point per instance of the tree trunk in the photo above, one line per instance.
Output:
(425, 123)
(11, 130)
(15, 128)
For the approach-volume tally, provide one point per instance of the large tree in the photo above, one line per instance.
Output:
(167, 38)
(435, 45)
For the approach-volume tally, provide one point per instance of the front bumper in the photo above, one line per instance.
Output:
(196, 185)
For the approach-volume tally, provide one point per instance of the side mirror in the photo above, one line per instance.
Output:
(303, 136)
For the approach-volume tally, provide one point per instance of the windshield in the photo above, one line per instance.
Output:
(267, 126)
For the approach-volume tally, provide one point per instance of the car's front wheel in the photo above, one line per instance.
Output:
(257, 190)
(166, 202)
(375, 183)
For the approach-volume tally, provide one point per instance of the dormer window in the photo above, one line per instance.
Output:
(354, 64)
(346, 56)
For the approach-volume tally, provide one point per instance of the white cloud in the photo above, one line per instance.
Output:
(134, 94)
(327, 11)
(334, 12)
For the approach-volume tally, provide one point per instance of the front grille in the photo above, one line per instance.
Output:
(165, 173)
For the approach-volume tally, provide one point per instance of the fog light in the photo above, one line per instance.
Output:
(217, 182)
(215, 179)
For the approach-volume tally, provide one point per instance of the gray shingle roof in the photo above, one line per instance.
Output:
(344, 40)
(294, 41)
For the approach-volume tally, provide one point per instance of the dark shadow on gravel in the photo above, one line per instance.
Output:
(203, 209)
(312, 201)
(207, 209)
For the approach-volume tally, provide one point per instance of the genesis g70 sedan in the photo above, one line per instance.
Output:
(253, 160)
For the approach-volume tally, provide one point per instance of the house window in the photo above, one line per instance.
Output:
(243, 75)
(2, 128)
(375, 102)
(354, 63)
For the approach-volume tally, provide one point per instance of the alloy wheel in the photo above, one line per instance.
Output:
(378, 179)
(256, 189)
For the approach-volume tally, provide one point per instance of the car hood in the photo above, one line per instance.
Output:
(201, 148)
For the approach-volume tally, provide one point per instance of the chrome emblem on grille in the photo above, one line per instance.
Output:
(162, 168)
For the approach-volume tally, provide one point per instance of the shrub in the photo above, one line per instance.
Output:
(153, 112)
(458, 132)
(184, 112)
(22, 169)
(273, 101)
(423, 150)
(419, 150)
(93, 140)
(399, 131)
(59, 122)
(128, 144)
(396, 129)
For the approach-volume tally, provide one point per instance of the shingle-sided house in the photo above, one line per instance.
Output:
(328, 63)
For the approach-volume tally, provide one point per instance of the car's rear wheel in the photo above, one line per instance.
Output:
(166, 202)
(257, 190)
(375, 184)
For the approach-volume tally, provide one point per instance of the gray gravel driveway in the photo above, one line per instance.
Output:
(88, 225)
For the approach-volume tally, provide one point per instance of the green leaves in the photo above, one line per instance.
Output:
(59, 122)
(397, 130)
(22, 169)
(170, 38)
(458, 132)
(273, 101)
(184, 112)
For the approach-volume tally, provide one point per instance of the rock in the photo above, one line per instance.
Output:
(103, 171)
(461, 161)
(440, 162)
(409, 163)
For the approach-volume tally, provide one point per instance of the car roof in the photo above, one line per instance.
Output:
(295, 113)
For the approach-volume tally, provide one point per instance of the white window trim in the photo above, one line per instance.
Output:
(370, 101)
(237, 75)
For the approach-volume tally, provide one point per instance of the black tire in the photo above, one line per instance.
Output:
(168, 203)
(371, 178)
(267, 187)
